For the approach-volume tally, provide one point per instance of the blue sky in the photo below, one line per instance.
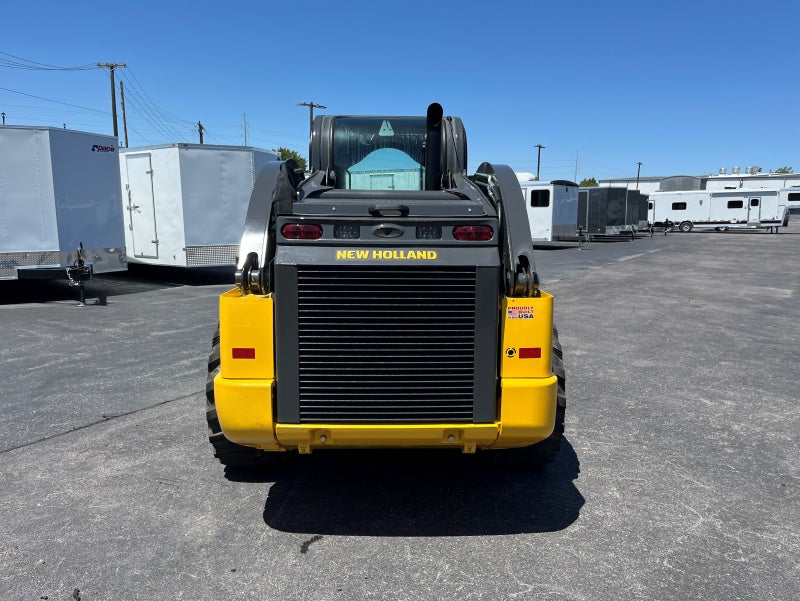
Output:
(684, 87)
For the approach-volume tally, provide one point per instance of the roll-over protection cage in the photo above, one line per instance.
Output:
(281, 186)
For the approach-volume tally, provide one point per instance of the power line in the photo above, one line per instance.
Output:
(56, 101)
(155, 116)
(146, 113)
(44, 109)
(256, 136)
(264, 132)
(160, 130)
(164, 114)
(136, 97)
(142, 108)
(27, 64)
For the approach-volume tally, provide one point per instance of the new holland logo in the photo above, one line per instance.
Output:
(387, 255)
(99, 148)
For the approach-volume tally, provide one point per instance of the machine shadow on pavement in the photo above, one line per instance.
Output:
(418, 493)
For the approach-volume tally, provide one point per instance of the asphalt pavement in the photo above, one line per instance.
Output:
(678, 478)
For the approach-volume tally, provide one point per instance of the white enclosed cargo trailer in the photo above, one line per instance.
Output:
(792, 198)
(718, 209)
(185, 204)
(59, 189)
(552, 209)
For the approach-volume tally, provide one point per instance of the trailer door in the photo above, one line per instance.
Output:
(141, 206)
(583, 211)
(754, 217)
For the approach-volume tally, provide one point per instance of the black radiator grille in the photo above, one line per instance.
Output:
(386, 344)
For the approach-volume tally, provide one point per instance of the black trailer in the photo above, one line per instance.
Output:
(609, 211)
(637, 209)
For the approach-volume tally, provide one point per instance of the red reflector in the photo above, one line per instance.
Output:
(530, 353)
(244, 353)
(301, 231)
(473, 233)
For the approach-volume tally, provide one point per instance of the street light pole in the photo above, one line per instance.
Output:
(311, 106)
(538, 160)
(638, 171)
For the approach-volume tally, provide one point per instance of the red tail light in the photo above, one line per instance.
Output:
(301, 231)
(243, 353)
(473, 233)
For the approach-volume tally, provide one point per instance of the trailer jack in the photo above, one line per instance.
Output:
(79, 274)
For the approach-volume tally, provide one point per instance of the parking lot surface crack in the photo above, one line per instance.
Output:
(104, 418)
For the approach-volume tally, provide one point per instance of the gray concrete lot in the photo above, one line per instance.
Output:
(678, 478)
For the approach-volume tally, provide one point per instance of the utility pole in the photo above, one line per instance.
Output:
(111, 67)
(577, 151)
(311, 106)
(244, 124)
(538, 160)
(200, 130)
(124, 118)
(638, 171)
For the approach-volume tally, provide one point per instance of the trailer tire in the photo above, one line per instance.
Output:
(229, 453)
(686, 226)
(543, 452)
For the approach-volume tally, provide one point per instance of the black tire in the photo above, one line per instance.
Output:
(686, 226)
(544, 452)
(229, 453)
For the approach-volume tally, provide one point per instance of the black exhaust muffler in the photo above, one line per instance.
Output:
(433, 147)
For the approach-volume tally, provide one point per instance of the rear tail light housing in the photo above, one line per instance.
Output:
(530, 353)
(243, 353)
(301, 231)
(473, 233)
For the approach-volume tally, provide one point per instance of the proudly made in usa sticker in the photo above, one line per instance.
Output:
(520, 312)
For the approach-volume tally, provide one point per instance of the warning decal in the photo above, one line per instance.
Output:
(386, 129)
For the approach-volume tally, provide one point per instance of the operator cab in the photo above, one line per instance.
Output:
(411, 154)
(379, 153)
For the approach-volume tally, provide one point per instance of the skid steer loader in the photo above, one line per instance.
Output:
(386, 300)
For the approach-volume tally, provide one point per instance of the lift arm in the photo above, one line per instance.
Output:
(502, 187)
(273, 193)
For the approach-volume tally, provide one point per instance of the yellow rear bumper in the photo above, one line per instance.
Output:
(244, 389)
(526, 416)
